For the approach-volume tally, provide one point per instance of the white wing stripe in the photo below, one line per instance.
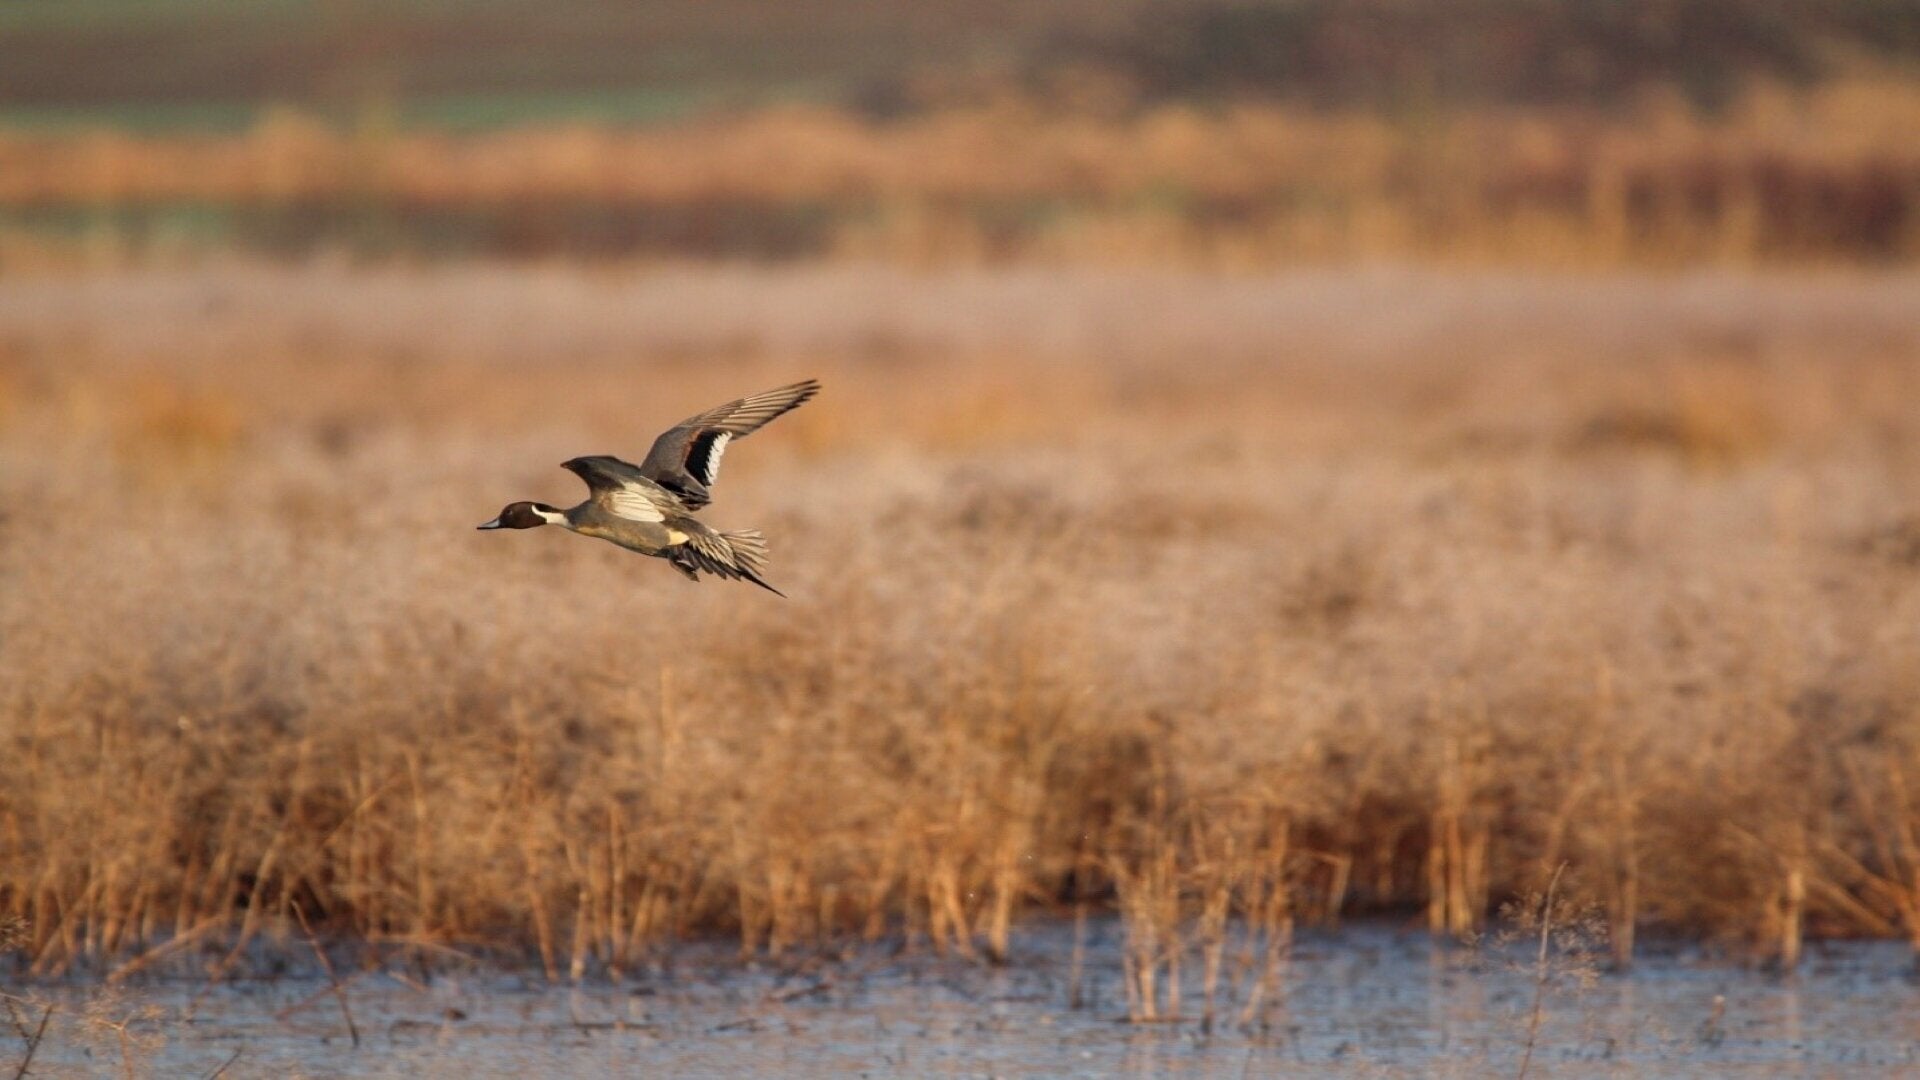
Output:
(713, 457)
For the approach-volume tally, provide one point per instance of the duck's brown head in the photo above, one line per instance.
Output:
(523, 515)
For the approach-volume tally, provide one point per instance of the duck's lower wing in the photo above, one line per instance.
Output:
(619, 488)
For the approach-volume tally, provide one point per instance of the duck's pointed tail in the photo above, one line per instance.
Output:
(750, 556)
(740, 555)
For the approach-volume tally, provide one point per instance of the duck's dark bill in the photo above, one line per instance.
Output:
(494, 524)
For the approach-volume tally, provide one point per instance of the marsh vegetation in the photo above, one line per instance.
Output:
(1219, 602)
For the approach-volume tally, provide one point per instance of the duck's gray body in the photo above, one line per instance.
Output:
(679, 537)
(645, 537)
(649, 507)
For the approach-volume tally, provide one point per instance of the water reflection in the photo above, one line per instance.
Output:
(1364, 1001)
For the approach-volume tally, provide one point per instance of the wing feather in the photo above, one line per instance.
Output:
(685, 459)
(632, 504)
(621, 489)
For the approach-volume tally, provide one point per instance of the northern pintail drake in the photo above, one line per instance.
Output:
(649, 507)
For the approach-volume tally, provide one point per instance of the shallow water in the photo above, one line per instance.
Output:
(1363, 1002)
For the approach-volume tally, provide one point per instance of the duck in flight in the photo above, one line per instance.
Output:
(649, 507)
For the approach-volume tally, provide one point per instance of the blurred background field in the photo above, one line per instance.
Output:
(1199, 131)
(1279, 462)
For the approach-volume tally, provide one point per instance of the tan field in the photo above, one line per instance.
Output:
(1290, 597)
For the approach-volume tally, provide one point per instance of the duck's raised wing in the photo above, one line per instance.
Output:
(620, 488)
(686, 458)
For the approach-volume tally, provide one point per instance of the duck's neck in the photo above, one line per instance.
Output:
(553, 517)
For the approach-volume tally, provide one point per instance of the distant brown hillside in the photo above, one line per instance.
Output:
(1508, 51)
(196, 63)
(1785, 176)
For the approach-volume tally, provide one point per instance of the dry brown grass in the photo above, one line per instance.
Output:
(1821, 175)
(1226, 601)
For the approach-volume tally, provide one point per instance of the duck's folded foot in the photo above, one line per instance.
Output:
(675, 557)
